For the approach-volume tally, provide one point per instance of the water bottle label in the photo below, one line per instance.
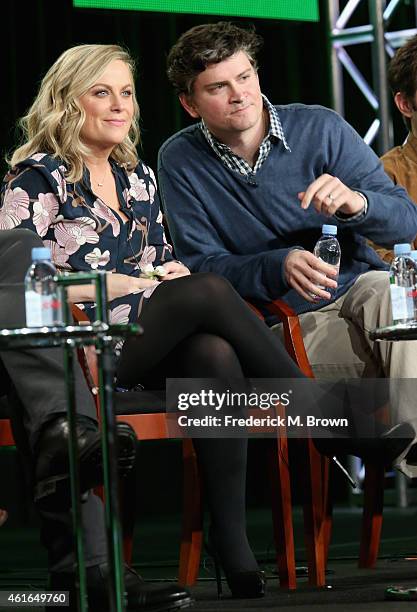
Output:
(402, 303)
(40, 309)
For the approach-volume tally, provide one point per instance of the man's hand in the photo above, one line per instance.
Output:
(304, 272)
(328, 195)
(174, 269)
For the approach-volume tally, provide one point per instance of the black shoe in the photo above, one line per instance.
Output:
(245, 584)
(380, 450)
(52, 489)
(411, 456)
(139, 596)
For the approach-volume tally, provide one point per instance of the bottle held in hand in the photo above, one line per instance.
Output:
(413, 256)
(42, 295)
(328, 250)
(403, 278)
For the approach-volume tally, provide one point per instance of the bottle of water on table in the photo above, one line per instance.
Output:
(328, 250)
(42, 296)
(403, 277)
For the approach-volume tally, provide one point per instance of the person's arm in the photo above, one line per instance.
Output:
(156, 231)
(31, 200)
(391, 215)
(390, 167)
(199, 246)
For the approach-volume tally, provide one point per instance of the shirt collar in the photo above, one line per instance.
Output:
(275, 131)
(411, 145)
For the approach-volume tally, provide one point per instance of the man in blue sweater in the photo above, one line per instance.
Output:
(247, 189)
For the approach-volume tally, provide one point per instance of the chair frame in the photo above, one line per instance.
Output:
(317, 509)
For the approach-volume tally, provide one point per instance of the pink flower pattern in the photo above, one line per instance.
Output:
(127, 197)
(96, 258)
(15, 208)
(59, 176)
(45, 211)
(138, 189)
(148, 256)
(105, 213)
(120, 314)
(58, 255)
(81, 231)
(73, 234)
(38, 156)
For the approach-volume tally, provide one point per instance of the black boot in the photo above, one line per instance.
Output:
(379, 450)
(52, 488)
(139, 596)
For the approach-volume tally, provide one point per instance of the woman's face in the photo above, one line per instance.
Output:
(108, 107)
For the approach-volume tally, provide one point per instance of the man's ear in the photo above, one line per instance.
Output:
(404, 105)
(187, 103)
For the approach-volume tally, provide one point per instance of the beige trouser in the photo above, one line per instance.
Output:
(337, 342)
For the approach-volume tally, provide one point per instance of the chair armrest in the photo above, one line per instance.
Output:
(87, 355)
(293, 338)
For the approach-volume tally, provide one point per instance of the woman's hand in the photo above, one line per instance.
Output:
(118, 285)
(122, 284)
(174, 269)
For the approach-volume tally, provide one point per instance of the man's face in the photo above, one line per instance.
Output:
(227, 96)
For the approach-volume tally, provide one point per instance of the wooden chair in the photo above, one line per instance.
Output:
(151, 424)
(318, 511)
(315, 467)
(315, 476)
(6, 435)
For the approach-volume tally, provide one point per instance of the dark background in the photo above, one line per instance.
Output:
(293, 68)
(35, 33)
(293, 62)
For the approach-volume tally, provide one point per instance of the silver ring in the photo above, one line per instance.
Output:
(331, 198)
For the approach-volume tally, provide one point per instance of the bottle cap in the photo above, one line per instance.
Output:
(41, 253)
(329, 229)
(402, 249)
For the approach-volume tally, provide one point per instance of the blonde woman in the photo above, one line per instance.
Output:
(78, 183)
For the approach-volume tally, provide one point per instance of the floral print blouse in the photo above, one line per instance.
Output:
(83, 233)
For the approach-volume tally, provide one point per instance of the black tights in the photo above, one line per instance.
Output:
(198, 327)
(179, 312)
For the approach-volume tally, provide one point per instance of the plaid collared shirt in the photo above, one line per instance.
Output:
(237, 163)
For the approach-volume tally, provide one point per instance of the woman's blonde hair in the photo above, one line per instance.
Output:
(54, 121)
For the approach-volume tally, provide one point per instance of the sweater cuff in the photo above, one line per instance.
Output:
(274, 272)
(357, 216)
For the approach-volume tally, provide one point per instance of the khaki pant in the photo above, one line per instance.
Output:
(337, 342)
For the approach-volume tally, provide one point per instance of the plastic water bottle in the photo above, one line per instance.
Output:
(403, 275)
(328, 250)
(413, 255)
(42, 296)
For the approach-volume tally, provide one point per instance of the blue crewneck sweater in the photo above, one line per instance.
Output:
(243, 227)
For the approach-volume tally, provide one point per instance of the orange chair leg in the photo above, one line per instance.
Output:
(328, 509)
(282, 512)
(373, 503)
(314, 513)
(192, 522)
(128, 497)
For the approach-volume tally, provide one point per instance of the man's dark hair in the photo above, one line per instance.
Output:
(402, 72)
(207, 44)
